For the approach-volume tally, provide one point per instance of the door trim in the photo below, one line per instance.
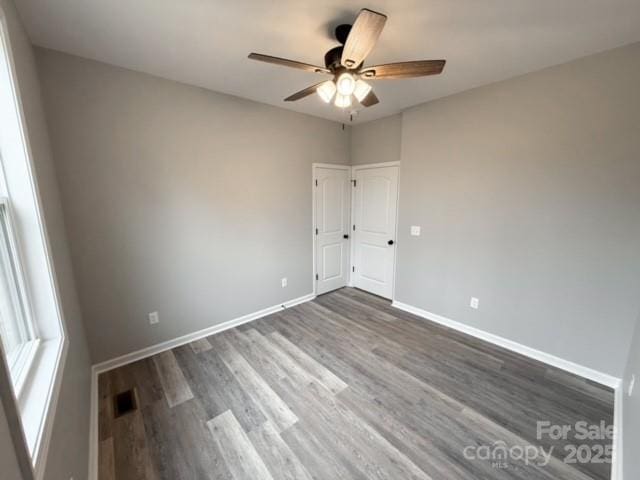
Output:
(314, 167)
(352, 251)
(375, 165)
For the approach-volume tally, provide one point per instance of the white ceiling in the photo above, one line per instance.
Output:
(206, 42)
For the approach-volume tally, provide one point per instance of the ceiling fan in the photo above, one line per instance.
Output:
(346, 64)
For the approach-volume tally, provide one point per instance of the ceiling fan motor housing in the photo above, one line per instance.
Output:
(342, 32)
(332, 58)
(333, 61)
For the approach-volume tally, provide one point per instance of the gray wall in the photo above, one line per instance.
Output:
(631, 409)
(178, 199)
(377, 141)
(8, 458)
(528, 195)
(68, 453)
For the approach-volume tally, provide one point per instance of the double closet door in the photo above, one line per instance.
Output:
(355, 227)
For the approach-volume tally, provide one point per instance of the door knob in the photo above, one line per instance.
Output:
(390, 242)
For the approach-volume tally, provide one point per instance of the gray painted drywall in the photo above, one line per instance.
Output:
(8, 458)
(68, 452)
(377, 141)
(179, 200)
(528, 195)
(631, 411)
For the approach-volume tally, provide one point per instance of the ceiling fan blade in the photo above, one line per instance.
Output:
(303, 93)
(418, 68)
(370, 100)
(288, 63)
(363, 37)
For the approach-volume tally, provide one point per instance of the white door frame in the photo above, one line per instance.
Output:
(314, 167)
(352, 253)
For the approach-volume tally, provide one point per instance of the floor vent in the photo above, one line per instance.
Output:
(125, 402)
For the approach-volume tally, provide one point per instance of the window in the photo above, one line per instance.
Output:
(19, 341)
(32, 332)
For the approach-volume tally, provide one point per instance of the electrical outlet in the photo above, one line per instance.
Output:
(284, 282)
(153, 318)
(415, 230)
(632, 384)
(474, 303)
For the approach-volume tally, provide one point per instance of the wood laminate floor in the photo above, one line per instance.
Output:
(343, 387)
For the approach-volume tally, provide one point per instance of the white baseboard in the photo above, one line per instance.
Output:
(161, 347)
(566, 365)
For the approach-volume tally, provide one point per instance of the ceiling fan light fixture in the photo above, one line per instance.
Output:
(348, 88)
(326, 91)
(342, 101)
(362, 90)
(346, 84)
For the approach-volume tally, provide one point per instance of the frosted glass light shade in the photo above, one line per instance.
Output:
(362, 90)
(346, 84)
(326, 91)
(343, 101)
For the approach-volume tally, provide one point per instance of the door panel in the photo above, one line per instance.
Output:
(375, 196)
(375, 207)
(332, 218)
(372, 263)
(332, 257)
(332, 223)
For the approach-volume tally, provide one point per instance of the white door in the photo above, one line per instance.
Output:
(376, 197)
(333, 201)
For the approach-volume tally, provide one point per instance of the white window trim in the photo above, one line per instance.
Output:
(40, 390)
(38, 405)
(20, 362)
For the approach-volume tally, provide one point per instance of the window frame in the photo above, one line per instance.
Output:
(36, 404)
(20, 362)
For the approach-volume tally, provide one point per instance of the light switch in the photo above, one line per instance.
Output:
(415, 230)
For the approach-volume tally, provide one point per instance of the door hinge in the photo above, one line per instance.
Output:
(354, 228)
(316, 182)
(316, 276)
(316, 231)
(354, 183)
(353, 269)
